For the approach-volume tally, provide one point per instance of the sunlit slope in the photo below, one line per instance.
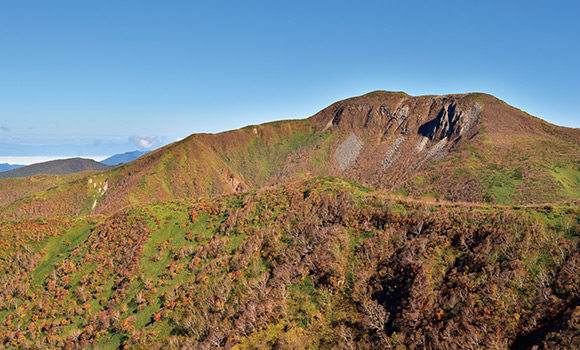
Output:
(202, 165)
(12, 189)
(323, 263)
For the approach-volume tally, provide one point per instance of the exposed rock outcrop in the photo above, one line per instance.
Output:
(451, 122)
(392, 155)
(347, 153)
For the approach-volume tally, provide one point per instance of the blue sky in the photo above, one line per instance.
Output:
(82, 78)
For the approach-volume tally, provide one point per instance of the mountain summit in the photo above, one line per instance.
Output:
(461, 147)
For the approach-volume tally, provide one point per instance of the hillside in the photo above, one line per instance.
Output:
(469, 147)
(318, 264)
(12, 189)
(56, 167)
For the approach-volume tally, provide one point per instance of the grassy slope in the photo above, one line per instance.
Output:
(199, 166)
(13, 188)
(323, 263)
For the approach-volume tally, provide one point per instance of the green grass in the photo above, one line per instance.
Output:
(503, 192)
(569, 178)
(304, 301)
(57, 250)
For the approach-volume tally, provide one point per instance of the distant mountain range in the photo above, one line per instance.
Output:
(123, 158)
(67, 166)
(56, 167)
(6, 166)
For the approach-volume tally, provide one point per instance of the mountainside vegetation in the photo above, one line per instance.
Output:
(316, 264)
(469, 147)
(384, 221)
(12, 189)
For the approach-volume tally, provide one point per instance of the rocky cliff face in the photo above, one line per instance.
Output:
(451, 122)
(386, 138)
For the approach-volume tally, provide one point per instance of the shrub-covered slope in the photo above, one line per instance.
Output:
(323, 263)
(470, 147)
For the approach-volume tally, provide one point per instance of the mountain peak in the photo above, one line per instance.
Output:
(380, 94)
(396, 112)
(469, 147)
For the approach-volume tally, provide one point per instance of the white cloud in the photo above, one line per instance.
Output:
(144, 141)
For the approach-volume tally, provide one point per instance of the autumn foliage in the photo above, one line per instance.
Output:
(319, 264)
